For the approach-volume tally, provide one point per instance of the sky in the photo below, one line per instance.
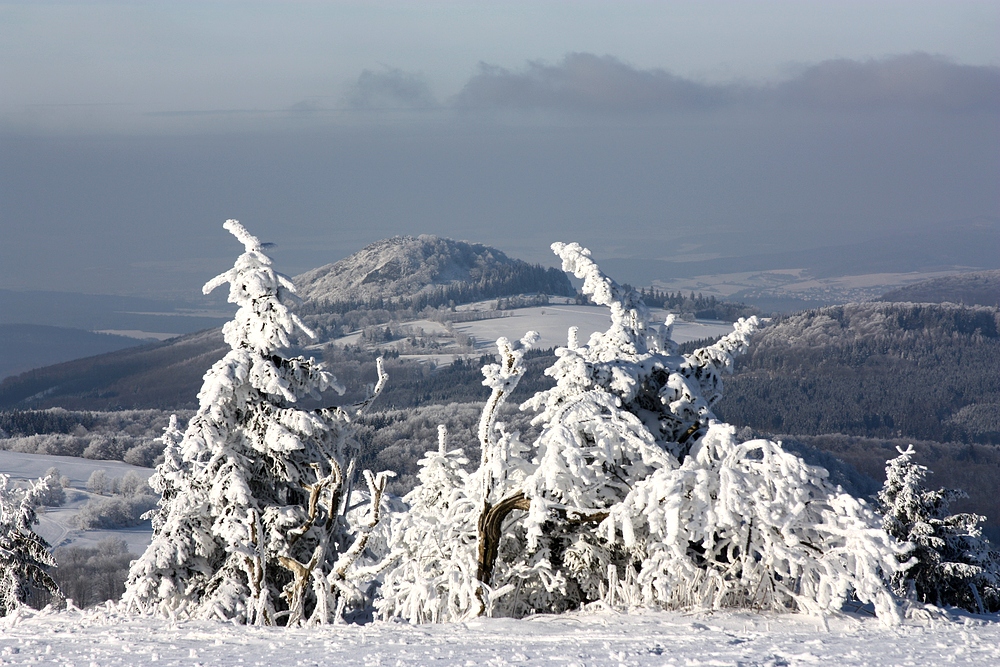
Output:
(129, 131)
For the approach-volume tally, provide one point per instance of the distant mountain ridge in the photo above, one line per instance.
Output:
(924, 371)
(405, 269)
(157, 375)
(27, 346)
(981, 288)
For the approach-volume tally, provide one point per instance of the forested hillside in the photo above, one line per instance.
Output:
(27, 346)
(883, 370)
(157, 375)
(981, 288)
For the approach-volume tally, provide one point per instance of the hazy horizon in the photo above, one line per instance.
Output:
(130, 131)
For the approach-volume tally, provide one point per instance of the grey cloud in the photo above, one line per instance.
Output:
(917, 81)
(390, 89)
(591, 84)
(585, 82)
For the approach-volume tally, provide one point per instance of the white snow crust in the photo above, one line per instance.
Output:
(105, 637)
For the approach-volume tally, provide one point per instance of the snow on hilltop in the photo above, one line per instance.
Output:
(402, 267)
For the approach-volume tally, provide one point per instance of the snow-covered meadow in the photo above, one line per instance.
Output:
(56, 524)
(552, 321)
(104, 637)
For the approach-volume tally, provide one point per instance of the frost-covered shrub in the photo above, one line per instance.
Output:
(953, 563)
(54, 495)
(748, 525)
(25, 560)
(114, 512)
(107, 448)
(99, 482)
(251, 525)
(145, 454)
(632, 494)
(434, 571)
(89, 576)
(132, 484)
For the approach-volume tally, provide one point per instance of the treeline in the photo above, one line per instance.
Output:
(485, 282)
(878, 370)
(125, 435)
(92, 575)
(14, 423)
(154, 375)
(397, 439)
(702, 307)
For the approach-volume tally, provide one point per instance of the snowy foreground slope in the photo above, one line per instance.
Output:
(102, 637)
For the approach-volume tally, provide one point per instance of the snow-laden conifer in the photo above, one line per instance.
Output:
(25, 558)
(252, 523)
(953, 564)
(634, 493)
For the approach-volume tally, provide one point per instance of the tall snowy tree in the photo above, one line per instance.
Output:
(25, 558)
(252, 526)
(953, 563)
(634, 494)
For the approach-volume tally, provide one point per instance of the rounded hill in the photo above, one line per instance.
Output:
(403, 270)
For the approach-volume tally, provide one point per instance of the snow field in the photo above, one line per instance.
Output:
(104, 637)
(552, 323)
(55, 524)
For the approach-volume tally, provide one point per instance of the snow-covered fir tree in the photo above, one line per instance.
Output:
(634, 494)
(252, 525)
(25, 559)
(953, 564)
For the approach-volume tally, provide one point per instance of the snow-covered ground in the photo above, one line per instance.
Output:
(106, 637)
(553, 322)
(55, 524)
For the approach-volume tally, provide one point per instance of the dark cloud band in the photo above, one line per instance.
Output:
(587, 83)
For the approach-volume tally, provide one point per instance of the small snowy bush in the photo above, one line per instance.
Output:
(99, 482)
(54, 494)
(114, 512)
(953, 563)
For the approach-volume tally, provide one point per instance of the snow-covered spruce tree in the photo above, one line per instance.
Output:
(434, 569)
(252, 524)
(25, 558)
(953, 563)
(636, 495)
